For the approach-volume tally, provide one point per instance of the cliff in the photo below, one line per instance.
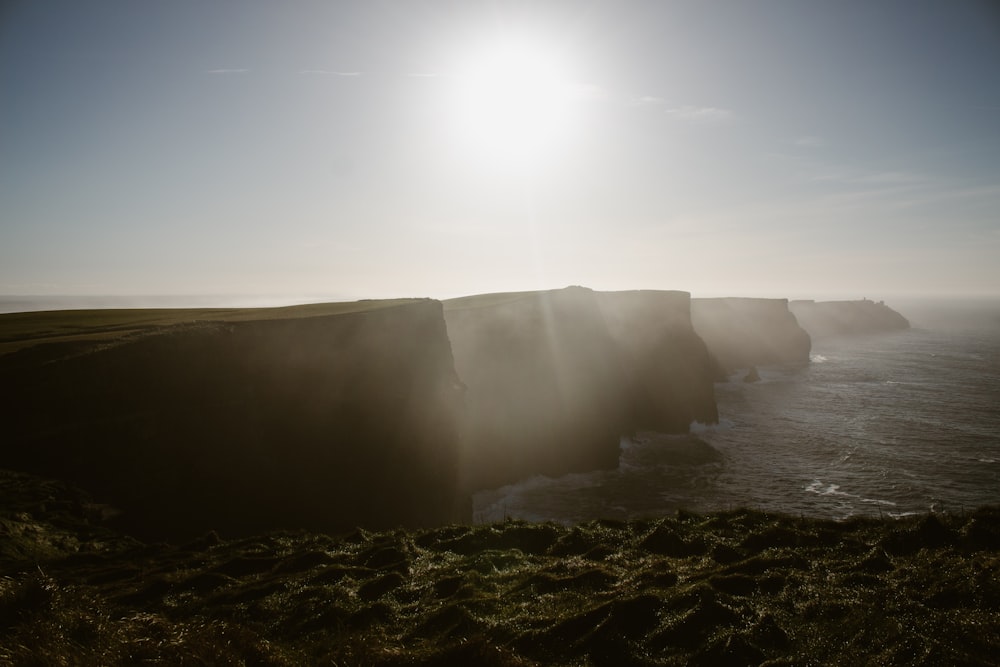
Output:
(668, 366)
(331, 416)
(833, 318)
(546, 385)
(743, 332)
(324, 422)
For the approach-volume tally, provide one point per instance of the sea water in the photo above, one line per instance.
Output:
(883, 424)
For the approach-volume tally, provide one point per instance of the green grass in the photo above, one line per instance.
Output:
(485, 300)
(21, 330)
(737, 587)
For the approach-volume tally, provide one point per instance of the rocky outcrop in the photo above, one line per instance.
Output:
(743, 332)
(668, 367)
(834, 318)
(315, 422)
(545, 385)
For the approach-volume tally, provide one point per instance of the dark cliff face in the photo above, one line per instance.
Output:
(668, 365)
(749, 332)
(545, 385)
(322, 422)
(262, 420)
(834, 318)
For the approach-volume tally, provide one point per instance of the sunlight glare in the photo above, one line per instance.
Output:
(513, 104)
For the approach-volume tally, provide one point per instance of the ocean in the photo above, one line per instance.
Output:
(885, 424)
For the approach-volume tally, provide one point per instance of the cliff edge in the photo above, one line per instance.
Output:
(545, 385)
(745, 332)
(669, 370)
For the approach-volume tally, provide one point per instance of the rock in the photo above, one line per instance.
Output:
(750, 332)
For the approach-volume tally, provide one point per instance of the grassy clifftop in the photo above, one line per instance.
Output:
(738, 587)
(21, 330)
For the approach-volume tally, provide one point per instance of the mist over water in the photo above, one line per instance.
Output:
(889, 424)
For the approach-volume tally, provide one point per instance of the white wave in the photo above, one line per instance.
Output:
(817, 358)
(817, 487)
(876, 501)
(698, 428)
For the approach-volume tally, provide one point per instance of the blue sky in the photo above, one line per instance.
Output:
(376, 149)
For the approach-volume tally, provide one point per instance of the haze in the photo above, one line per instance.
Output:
(437, 149)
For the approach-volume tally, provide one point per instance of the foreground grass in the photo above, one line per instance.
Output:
(738, 587)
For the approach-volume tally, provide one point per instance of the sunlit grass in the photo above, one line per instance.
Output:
(21, 330)
(738, 587)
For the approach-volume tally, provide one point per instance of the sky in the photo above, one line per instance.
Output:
(386, 149)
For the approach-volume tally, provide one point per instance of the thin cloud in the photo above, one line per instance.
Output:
(426, 75)
(648, 100)
(867, 178)
(892, 177)
(901, 190)
(688, 112)
(227, 71)
(329, 72)
(924, 197)
(701, 114)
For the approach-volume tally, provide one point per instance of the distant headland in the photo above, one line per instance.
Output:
(834, 318)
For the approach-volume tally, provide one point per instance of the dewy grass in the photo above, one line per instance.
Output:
(739, 587)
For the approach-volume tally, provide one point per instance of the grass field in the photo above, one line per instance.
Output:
(739, 587)
(20, 330)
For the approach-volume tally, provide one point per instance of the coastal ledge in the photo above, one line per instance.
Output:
(735, 587)
(837, 318)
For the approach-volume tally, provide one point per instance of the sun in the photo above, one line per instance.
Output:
(513, 103)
